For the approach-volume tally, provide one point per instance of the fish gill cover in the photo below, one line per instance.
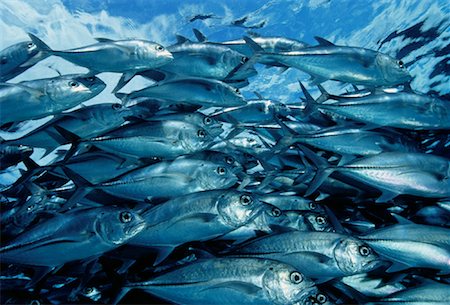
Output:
(224, 152)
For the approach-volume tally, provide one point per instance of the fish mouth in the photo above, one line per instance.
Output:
(306, 296)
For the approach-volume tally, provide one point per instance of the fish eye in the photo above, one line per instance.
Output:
(3, 61)
(312, 205)
(401, 64)
(116, 106)
(88, 290)
(90, 78)
(276, 212)
(201, 133)
(30, 45)
(245, 200)
(35, 302)
(296, 277)
(321, 298)
(159, 48)
(221, 170)
(126, 217)
(244, 60)
(237, 91)
(73, 84)
(321, 220)
(30, 207)
(207, 120)
(229, 160)
(364, 250)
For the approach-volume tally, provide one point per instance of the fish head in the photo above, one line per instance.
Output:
(91, 293)
(225, 159)
(319, 222)
(393, 71)
(71, 90)
(354, 256)
(150, 54)
(285, 285)
(215, 176)
(116, 226)
(238, 208)
(228, 95)
(210, 124)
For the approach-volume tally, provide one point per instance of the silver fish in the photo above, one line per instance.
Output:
(354, 65)
(72, 236)
(40, 98)
(318, 255)
(412, 245)
(231, 281)
(113, 55)
(197, 91)
(404, 109)
(203, 216)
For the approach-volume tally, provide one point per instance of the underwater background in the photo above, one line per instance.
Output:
(414, 31)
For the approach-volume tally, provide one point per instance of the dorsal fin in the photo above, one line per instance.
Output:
(199, 35)
(253, 45)
(323, 41)
(181, 39)
(101, 39)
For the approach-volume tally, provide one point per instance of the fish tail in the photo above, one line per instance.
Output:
(84, 187)
(42, 46)
(323, 170)
(311, 104)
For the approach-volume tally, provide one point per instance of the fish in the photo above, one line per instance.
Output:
(410, 245)
(204, 216)
(291, 202)
(18, 58)
(327, 61)
(86, 122)
(255, 111)
(74, 235)
(165, 139)
(403, 109)
(231, 281)
(44, 97)
(318, 255)
(165, 179)
(107, 55)
(196, 91)
(395, 173)
(427, 294)
(372, 286)
(272, 44)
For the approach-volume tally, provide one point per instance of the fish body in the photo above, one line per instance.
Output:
(413, 245)
(113, 55)
(417, 174)
(201, 216)
(231, 281)
(159, 139)
(198, 91)
(206, 61)
(170, 179)
(72, 236)
(255, 111)
(13, 154)
(426, 294)
(85, 122)
(406, 110)
(354, 65)
(315, 254)
(350, 141)
(40, 98)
